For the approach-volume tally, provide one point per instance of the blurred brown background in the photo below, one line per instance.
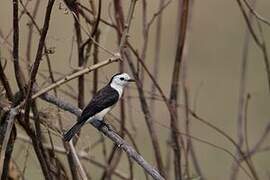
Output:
(214, 56)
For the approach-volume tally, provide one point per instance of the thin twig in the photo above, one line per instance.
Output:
(256, 14)
(220, 131)
(265, 54)
(241, 99)
(260, 141)
(30, 33)
(94, 32)
(260, 43)
(157, 55)
(127, 24)
(158, 13)
(5, 82)
(189, 147)
(212, 145)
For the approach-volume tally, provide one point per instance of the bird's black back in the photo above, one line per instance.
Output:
(103, 99)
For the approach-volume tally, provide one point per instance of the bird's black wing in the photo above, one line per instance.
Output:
(104, 98)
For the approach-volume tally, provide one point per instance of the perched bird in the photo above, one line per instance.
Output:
(102, 103)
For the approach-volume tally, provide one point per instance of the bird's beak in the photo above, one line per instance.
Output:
(131, 80)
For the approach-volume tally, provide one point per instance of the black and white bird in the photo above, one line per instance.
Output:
(102, 103)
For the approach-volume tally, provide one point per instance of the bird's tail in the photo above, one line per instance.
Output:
(75, 128)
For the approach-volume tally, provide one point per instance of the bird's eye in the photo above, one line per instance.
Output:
(122, 79)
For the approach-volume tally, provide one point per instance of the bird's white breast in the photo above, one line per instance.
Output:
(100, 115)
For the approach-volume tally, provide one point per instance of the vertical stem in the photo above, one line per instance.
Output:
(37, 136)
(186, 116)
(30, 35)
(95, 61)
(80, 63)
(242, 95)
(39, 55)
(122, 32)
(147, 115)
(17, 69)
(157, 57)
(183, 19)
(145, 34)
(7, 144)
(189, 145)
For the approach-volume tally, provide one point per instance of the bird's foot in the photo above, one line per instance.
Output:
(102, 124)
(120, 145)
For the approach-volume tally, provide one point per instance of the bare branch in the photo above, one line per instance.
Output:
(77, 160)
(18, 72)
(5, 82)
(157, 55)
(257, 15)
(158, 13)
(260, 43)
(127, 24)
(242, 94)
(183, 19)
(110, 134)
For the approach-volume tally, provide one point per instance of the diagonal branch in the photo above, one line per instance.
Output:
(11, 119)
(110, 134)
(256, 14)
(260, 43)
(5, 83)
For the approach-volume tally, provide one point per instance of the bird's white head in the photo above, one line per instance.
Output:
(119, 81)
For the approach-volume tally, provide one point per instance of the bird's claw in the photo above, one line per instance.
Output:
(119, 145)
(102, 124)
(108, 126)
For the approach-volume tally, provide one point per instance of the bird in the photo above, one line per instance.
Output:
(101, 103)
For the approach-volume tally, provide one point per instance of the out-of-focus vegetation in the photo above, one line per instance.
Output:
(217, 42)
